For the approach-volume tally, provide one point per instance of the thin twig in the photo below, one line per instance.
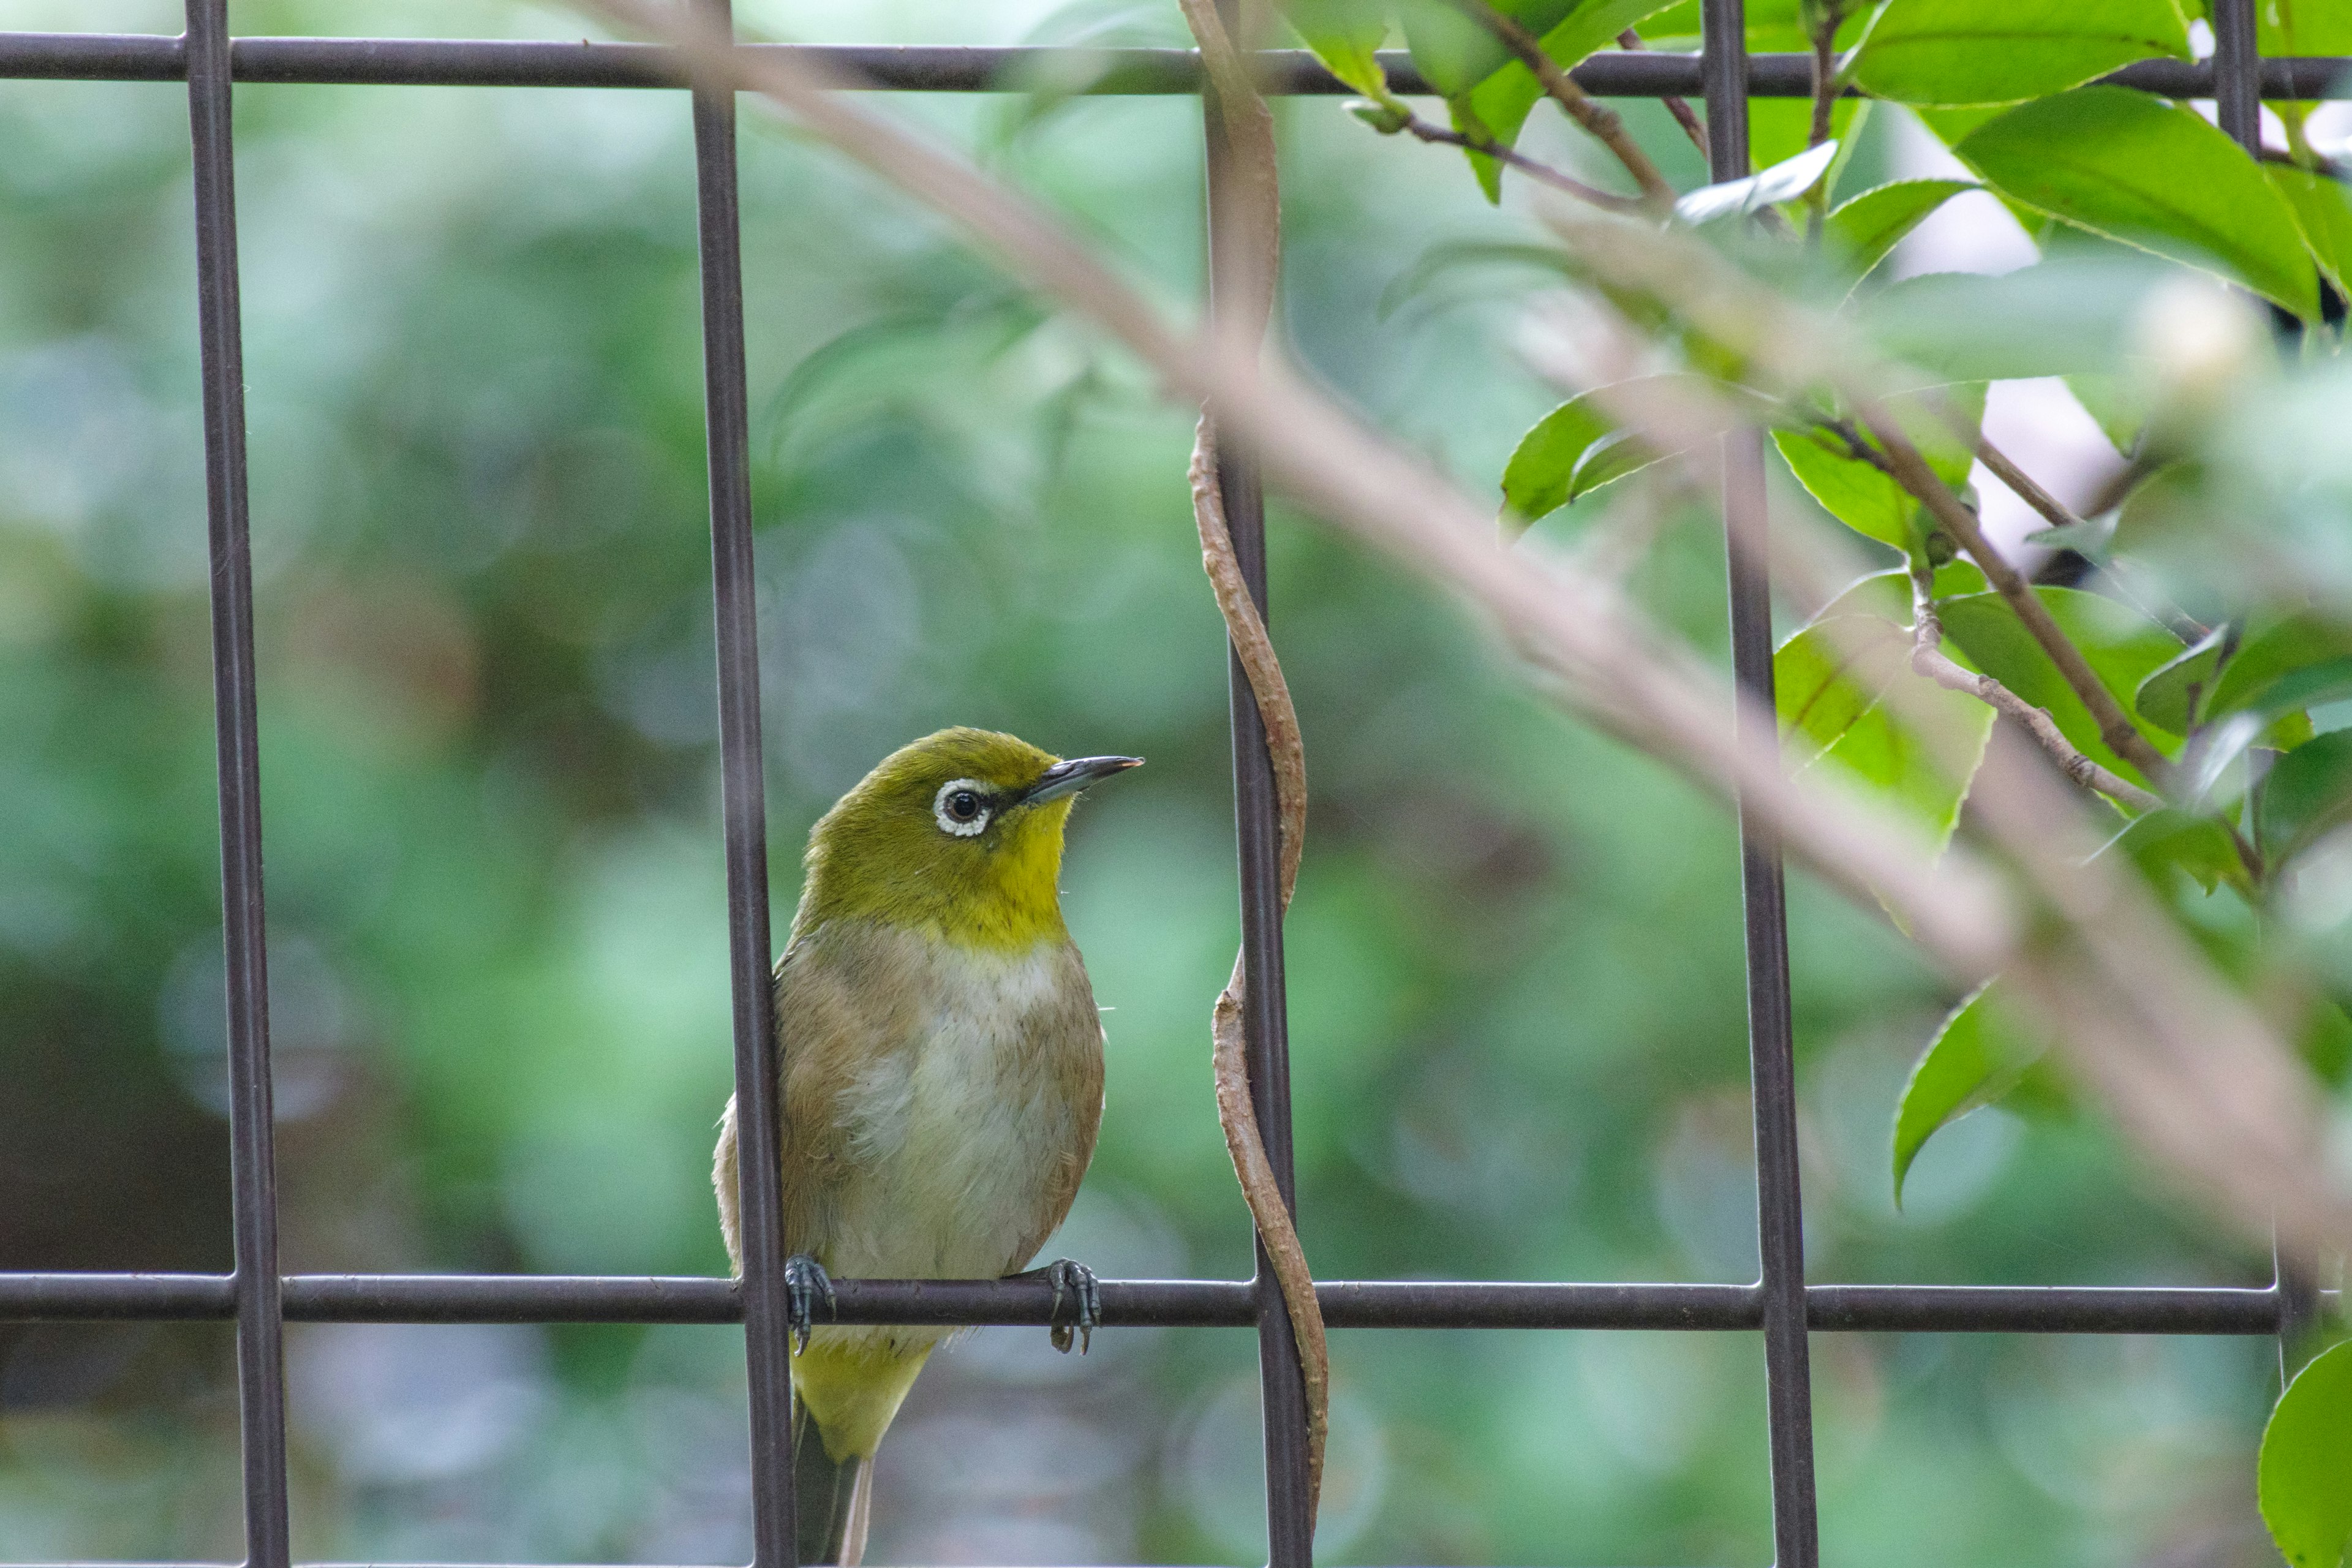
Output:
(1420, 129)
(1824, 40)
(1910, 470)
(1236, 1113)
(1603, 122)
(1928, 658)
(2025, 485)
(1685, 116)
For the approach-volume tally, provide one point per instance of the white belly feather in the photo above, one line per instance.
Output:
(957, 1141)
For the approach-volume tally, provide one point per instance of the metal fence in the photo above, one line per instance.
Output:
(1779, 1305)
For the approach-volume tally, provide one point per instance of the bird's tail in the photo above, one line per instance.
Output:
(846, 1386)
(833, 1499)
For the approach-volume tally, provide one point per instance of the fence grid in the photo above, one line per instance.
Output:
(259, 1301)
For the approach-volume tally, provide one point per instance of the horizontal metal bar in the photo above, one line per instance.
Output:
(501, 62)
(1191, 1303)
(2039, 1310)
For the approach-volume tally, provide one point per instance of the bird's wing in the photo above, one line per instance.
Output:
(845, 1005)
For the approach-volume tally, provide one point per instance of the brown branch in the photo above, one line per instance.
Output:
(2025, 486)
(1824, 40)
(1244, 275)
(1910, 470)
(1603, 122)
(1236, 1113)
(1420, 129)
(1685, 116)
(1928, 658)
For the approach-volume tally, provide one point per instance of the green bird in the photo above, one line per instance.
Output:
(942, 1078)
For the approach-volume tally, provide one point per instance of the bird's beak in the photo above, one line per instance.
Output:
(1070, 777)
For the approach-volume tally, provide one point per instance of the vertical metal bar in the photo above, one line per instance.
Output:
(1780, 1212)
(2238, 73)
(2237, 104)
(1233, 250)
(2298, 1312)
(744, 804)
(260, 1323)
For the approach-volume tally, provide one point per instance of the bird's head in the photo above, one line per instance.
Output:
(960, 832)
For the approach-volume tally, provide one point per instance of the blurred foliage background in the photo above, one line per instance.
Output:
(496, 901)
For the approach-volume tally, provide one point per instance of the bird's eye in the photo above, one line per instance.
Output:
(961, 807)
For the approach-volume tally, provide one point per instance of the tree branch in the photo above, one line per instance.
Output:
(1420, 129)
(1910, 470)
(1246, 263)
(1685, 116)
(1928, 658)
(2025, 485)
(1603, 122)
(1824, 40)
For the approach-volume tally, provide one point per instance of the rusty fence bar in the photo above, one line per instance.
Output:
(735, 606)
(1171, 1303)
(258, 1299)
(508, 62)
(252, 1175)
(1772, 1052)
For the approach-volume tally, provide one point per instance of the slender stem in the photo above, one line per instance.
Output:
(1930, 659)
(2025, 485)
(1420, 129)
(1684, 115)
(1825, 91)
(1910, 470)
(1603, 122)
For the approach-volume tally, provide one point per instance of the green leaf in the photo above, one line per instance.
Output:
(2060, 317)
(1578, 447)
(1829, 680)
(2118, 404)
(2173, 698)
(2303, 28)
(2305, 793)
(1498, 105)
(2151, 173)
(1849, 489)
(2325, 1042)
(1828, 675)
(2167, 839)
(2004, 51)
(1883, 752)
(1779, 127)
(2304, 1474)
(1979, 1055)
(1860, 232)
(2123, 648)
(1857, 493)
(1773, 25)
(2306, 650)
(1343, 35)
(2323, 211)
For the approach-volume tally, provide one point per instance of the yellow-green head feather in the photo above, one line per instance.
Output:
(941, 838)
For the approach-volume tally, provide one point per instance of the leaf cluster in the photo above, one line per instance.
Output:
(2208, 590)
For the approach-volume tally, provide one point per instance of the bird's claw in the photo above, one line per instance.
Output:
(805, 1280)
(1075, 1280)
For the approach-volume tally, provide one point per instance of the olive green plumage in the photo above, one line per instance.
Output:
(942, 1062)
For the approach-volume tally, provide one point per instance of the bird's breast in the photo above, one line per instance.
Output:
(963, 1140)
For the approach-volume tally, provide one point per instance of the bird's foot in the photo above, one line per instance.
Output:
(1076, 1282)
(805, 1281)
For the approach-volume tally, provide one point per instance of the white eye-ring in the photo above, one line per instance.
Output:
(961, 807)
